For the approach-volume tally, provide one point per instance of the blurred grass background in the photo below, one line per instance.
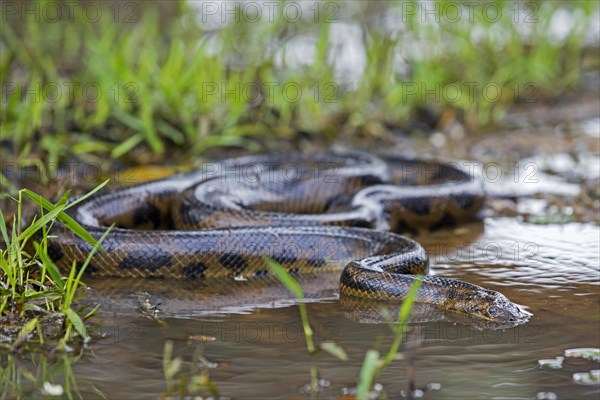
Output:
(154, 81)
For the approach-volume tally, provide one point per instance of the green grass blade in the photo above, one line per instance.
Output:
(69, 222)
(88, 194)
(91, 312)
(24, 333)
(77, 323)
(70, 287)
(288, 281)
(403, 315)
(50, 267)
(37, 225)
(171, 366)
(368, 372)
(77, 280)
(8, 272)
(335, 350)
(409, 301)
(3, 229)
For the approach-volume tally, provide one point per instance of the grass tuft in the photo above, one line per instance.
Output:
(35, 296)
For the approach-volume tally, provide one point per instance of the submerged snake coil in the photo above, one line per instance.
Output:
(309, 212)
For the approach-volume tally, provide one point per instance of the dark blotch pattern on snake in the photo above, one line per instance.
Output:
(310, 212)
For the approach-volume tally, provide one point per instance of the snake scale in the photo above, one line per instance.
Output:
(309, 212)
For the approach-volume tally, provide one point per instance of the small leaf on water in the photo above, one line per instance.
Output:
(53, 390)
(553, 363)
(589, 353)
(587, 378)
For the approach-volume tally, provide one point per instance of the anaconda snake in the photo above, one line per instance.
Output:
(309, 212)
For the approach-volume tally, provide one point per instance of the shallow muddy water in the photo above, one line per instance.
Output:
(259, 352)
(251, 336)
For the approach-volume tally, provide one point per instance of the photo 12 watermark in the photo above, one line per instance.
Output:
(469, 92)
(490, 252)
(70, 11)
(267, 11)
(69, 172)
(269, 92)
(467, 11)
(69, 91)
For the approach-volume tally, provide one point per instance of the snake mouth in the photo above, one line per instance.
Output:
(497, 308)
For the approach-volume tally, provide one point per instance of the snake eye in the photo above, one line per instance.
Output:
(492, 311)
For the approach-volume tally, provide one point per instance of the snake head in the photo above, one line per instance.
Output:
(503, 309)
(497, 307)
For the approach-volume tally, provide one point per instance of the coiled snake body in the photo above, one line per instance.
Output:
(309, 212)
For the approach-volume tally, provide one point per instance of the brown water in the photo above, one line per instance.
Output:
(260, 353)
